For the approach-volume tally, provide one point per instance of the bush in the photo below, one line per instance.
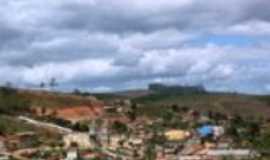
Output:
(120, 127)
(80, 126)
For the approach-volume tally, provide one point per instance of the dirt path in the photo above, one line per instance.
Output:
(58, 128)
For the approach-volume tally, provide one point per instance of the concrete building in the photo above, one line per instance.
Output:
(81, 139)
(72, 154)
(4, 157)
(99, 132)
(2, 145)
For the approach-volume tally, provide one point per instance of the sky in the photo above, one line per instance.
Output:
(107, 45)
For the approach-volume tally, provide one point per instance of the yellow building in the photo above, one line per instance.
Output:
(176, 135)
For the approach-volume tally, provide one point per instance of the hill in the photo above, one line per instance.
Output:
(133, 93)
(245, 105)
(158, 97)
(14, 101)
(176, 89)
(152, 102)
(54, 99)
(18, 102)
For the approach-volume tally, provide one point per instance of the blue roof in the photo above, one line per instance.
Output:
(206, 130)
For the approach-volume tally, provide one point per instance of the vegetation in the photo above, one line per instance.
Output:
(11, 102)
(156, 103)
(119, 127)
(9, 125)
(176, 89)
(265, 99)
(53, 100)
(150, 153)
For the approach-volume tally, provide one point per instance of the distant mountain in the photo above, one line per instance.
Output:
(159, 88)
(134, 93)
(175, 89)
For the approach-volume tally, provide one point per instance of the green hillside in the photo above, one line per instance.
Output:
(245, 105)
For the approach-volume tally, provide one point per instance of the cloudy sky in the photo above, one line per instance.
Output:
(106, 45)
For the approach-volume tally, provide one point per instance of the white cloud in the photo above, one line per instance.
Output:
(253, 27)
(222, 71)
(101, 89)
(162, 39)
(63, 72)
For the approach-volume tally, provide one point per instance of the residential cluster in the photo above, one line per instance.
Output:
(118, 131)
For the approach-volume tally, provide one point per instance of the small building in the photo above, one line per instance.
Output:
(2, 145)
(218, 131)
(234, 153)
(176, 135)
(4, 157)
(3, 154)
(115, 141)
(72, 154)
(100, 132)
(206, 131)
(81, 139)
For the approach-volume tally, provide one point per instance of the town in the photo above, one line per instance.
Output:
(134, 80)
(118, 127)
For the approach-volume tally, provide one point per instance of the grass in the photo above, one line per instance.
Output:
(9, 125)
(265, 99)
(107, 96)
(45, 99)
(244, 105)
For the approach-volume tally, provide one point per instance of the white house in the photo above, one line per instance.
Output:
(72, 155)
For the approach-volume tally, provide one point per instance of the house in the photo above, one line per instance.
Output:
(235, 153)
(206, 131)
(2, 145)
(3, 149)
(4, 157)
(218, 131)
(115, 141)
(82, 140)
(176, 135)
(72, 154)
(21, 140)
(99, 132)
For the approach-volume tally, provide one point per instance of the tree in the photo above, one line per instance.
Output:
(132, 115)
(150, 153)
(120, 127)
(81, 126)
(175, 108)
(42, 85)
(167, 116)
(184, 109)
(8, 85)
(43, 111)
(77, 92)
(53, 83)
(263, 142)
(134, 107)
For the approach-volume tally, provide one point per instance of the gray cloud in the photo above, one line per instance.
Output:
(105, 45)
